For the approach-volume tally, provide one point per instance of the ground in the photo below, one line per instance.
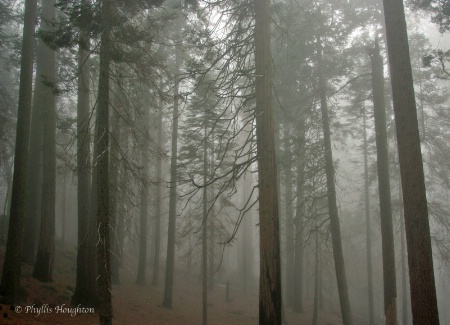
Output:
(49, 303)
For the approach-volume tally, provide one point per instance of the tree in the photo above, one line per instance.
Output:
(269, 243)
(384, 188)
(83, 294)
(420, 259)
(10, 285)
(331, 194)
(167, 302)
(102, 162)
(43, 268)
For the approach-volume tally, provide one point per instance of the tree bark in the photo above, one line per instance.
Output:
(384, 188)
(420, 258)
(82, 291)
(269, 243)
(331, 193)
(144, 203)
(155, 279)
(102, 162)
(368, 227)
(43, 268)
(299, 218)
(205, 226)
(10, 288)
(171, 236)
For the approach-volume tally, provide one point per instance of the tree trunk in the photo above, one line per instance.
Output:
(171, 233)
(155, 279)
(384, 188)
(82, 290)
(368, 227)
(144, 203)
(205, 226)
(316, 280)
(420, 258)
(331, 193)
(300, 211)
(290, 252)
(10, 288)
(270, 265)
(43, 268)
(102, 162)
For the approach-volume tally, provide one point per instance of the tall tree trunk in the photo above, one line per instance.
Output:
(82, 289)
(34, 169)
(144, 202)
(299, 218)
(368, 227)
(290, 252)
(64, 209)
(269, 243)
(10, 288)
(43, 268)
(384, 188)
(157, 245)
(114, 195)
(171, 233)
(205, 226)
(102, 162)
(420, 257)
(331, 193)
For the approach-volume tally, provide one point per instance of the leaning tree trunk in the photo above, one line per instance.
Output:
(384, 188)
(171, 233)
(10, 287)
(269, 243)
(102, 162)
(331, 193)
(420, 257)
(43, 268)
(368, 227)
(82, 292)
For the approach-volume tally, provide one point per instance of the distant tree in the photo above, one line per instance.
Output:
(420, 259)
(331, 194)
(10, 288)
(384, 187)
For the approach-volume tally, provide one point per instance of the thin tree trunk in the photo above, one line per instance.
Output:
(171, 233)
(155, 280)
(331, 191)
(290, 252)
(300, 211)
(205, 227)
(387, 233)
(144, 204)
(63, 209)
(82, 289)
(102, 162)
(43, 268)
(270, 265)
(10, 287)
(316, 280)
(368, 227)
(420, 257)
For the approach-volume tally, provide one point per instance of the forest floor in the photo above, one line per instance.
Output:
(139, 305)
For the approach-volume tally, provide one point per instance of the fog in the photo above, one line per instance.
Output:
(223, 162)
